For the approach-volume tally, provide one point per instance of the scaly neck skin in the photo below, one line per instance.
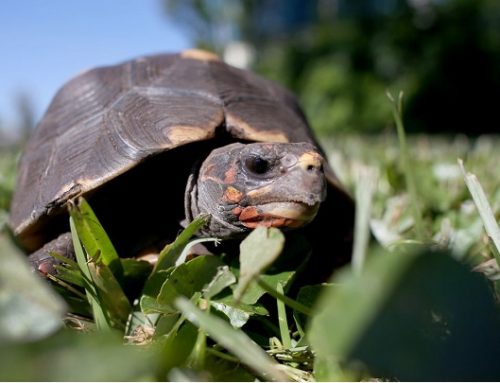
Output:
(208, 203)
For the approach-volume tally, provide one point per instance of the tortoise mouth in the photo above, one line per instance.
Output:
(278, 214)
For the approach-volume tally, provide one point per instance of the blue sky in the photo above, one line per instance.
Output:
(45, 42)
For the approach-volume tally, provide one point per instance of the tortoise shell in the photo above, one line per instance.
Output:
(108, 120)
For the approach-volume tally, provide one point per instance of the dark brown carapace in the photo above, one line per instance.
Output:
(129, 134)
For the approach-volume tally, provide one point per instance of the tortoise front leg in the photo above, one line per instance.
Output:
(42, 262)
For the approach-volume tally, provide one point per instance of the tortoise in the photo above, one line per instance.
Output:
(140, 137)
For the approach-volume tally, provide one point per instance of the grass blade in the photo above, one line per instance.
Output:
(288, 301)
(61, 282)
(365, 188)
(397, 112)
(172, 251)
(177, 345)
(93, 236)
(487, 215)
(237, 342)
(187, 249)
(257, 289)
(71, 263)
(188, 279)
(282, 320)
(100, 318)
(111, 297)
(258, 251)
(104, 271)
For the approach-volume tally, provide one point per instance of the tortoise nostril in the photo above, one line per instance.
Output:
(314, 167)
(310, 162)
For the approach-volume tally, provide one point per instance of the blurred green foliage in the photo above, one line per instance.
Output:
(8, 164)
(435, 318)
(405, 319)
(341, 56)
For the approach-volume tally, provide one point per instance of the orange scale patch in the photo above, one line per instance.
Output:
(230, 175)
(231, 194)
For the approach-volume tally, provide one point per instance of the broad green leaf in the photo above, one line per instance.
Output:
(69, 275)
(135, 274)
(176, 347)
(100, 318)
(254, 291)
(171, 252)
(29, 309)
(307, 296)
(165, 266)
(155, 281)
(236, 341)
(73, 356)
(187, 279)
(93, 236)
(431, 316)
(149, 305)
(224, 278)
(331, 371)
(257, 252)
(135, 269)
(197, 358)
(111, 297)
(237, 317)
(166, 323)
(238, 313)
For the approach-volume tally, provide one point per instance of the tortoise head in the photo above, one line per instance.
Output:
(241, 186)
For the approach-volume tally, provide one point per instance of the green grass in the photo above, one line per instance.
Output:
(449, 215)
(410, 293)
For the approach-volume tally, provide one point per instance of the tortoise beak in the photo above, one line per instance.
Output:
(278, 214)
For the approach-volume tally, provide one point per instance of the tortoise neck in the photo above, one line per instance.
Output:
(191, 209)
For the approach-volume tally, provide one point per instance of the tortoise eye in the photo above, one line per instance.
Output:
(257, 165)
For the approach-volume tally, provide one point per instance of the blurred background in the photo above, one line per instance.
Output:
(339, 56)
